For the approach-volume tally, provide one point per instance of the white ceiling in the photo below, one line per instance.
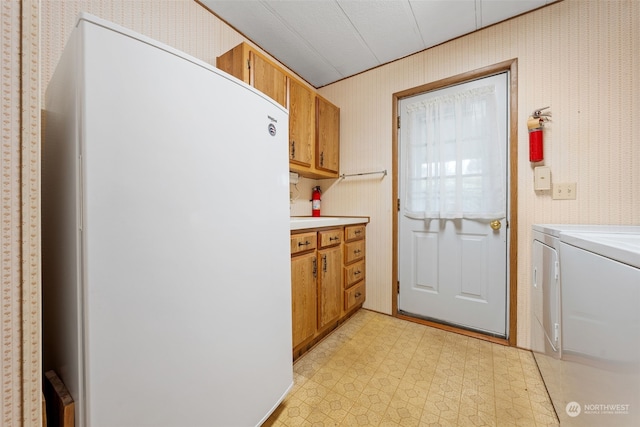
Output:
(327, 40)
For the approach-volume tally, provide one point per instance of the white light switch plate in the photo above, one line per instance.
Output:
(566, 191)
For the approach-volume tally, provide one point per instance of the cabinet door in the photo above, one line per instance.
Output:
(329, 285)
(268, 79)
(302, 120)
(328, 136)
(236, 62)
(303, 297)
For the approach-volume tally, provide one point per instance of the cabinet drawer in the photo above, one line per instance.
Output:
(353, 232)
(354, 251)
(354, 296)
(330, 237)
(303, 242)
(353, 273)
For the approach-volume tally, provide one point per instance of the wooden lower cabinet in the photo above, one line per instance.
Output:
(354, 296)
(325, 290)
(303, 296)
(354, 266)
(329, 285)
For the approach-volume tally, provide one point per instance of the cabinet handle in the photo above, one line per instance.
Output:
(331, 239)
(324, 263)
(357, 272)
(315, 268)
(306, 243)
(358, 295)
(322, 158)
(293, 149)
(357, 251)
(357, 232)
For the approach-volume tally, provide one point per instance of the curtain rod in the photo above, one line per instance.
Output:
(383, 172)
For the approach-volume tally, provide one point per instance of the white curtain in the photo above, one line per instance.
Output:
(456, 157)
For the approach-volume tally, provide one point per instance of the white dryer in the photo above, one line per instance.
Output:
(554, 266)
(545, 292)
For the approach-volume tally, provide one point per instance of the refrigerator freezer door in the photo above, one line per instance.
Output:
(186, 313)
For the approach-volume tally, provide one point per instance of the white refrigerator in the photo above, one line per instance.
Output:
(166, 266)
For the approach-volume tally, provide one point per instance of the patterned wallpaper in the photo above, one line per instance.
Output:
(577, 56)
(20, 396)
(182, 24)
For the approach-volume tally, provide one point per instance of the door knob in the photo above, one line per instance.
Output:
(496, 224)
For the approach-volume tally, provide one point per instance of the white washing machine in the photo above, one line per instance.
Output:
(585, 308)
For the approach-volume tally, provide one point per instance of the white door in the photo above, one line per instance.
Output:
(453, 205)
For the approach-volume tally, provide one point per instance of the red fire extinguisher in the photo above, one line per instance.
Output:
(535, 125)
(315, 201)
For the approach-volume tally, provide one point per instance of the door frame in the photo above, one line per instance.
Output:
(510, 65)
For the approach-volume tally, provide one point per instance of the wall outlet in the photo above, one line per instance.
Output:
(566, 191)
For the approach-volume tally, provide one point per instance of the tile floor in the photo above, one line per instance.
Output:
(377, 370)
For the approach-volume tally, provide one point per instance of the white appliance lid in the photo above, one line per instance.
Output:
(556, 229)
(619, 246)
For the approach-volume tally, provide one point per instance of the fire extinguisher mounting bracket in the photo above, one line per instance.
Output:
(541, 114)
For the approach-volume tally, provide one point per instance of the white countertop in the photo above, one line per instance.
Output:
(303, 222)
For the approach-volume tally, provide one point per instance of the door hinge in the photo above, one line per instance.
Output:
(248, 64)
(398, 205)
(398, 287)
(398, 122)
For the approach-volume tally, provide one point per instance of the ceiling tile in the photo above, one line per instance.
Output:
(494, 11)
(323, 25)
(388, 28)
(326, 40)
(444, 20)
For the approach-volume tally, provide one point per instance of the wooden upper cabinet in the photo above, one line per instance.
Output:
(268, 78)
(314, 123)
(255, 69)
(328, 136)
(236, 62)
(302, 120)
